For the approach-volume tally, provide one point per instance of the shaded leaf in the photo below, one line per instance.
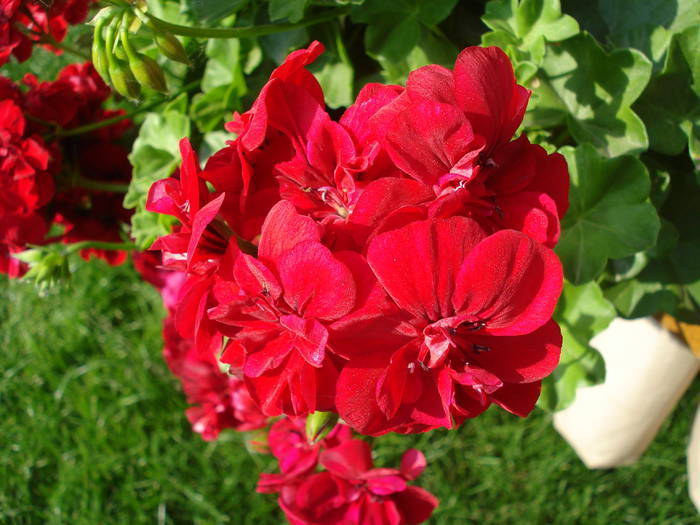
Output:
(598, 89)
(609, 214)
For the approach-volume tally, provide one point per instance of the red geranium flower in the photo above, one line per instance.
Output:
(352, 491)
(24, 163)
(479, 328)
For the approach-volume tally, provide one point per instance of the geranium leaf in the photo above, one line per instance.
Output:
(669, 119)
(530, 23)
(582, 312)
(154, 156)
(292, 10)
(609, 216)
(336, 79)
(624, 24)
(598, 89)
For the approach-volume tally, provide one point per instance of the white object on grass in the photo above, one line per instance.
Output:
(647, 371)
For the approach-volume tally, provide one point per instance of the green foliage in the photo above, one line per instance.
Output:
(582, 312)
(292, 10)
(401, 35)
(609, 214)
(522, 27)
(598, 89)
(154, 156)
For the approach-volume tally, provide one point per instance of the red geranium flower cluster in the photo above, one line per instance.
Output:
(40, 178)
(219, 401)
(394, 267)
(24, 23)
(348, 489)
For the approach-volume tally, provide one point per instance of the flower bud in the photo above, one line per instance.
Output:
(319, 424)
(123, 79)
(147, 72)
(171, 47)
(48, 265)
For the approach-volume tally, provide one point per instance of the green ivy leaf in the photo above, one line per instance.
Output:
(210, 109)
(582, 312)
(429, 49)
(390, 39)
(598, 89)
(292, 10)
(154, 156)
(609, 214)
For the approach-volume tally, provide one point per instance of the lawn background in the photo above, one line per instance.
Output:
(92, 431)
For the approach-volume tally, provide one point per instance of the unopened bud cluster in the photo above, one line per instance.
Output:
(119, 62)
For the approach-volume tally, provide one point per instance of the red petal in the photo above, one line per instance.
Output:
(431, 140)
(349, 460)
(385, 485)
(510, 282)
(413, 463)
(200, 222)
(309, 338)
(283, 229)
(356, 394)
(432, 82)
(517, 399)
(415, 504)
(534, 214)
(315, 283)
(382, 197)
(521, 358)
(189, 176)
(371, 98)
(417, 263)
(487, 92)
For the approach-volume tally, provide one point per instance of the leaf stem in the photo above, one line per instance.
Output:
(99, 185)
(100, 245)
(242, 32)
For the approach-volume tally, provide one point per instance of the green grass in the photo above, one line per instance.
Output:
(92, 432)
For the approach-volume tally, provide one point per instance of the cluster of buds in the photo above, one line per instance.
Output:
(119, 62)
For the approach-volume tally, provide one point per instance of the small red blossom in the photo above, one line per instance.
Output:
(297, 457)
(351, 490)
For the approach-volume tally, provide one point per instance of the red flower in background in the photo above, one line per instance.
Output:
(37, 180)
(26, 184)
(24, 22)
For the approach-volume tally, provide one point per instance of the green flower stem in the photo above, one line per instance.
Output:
(108, 122)
(241, 32)
(99, 185)
(100, 245)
